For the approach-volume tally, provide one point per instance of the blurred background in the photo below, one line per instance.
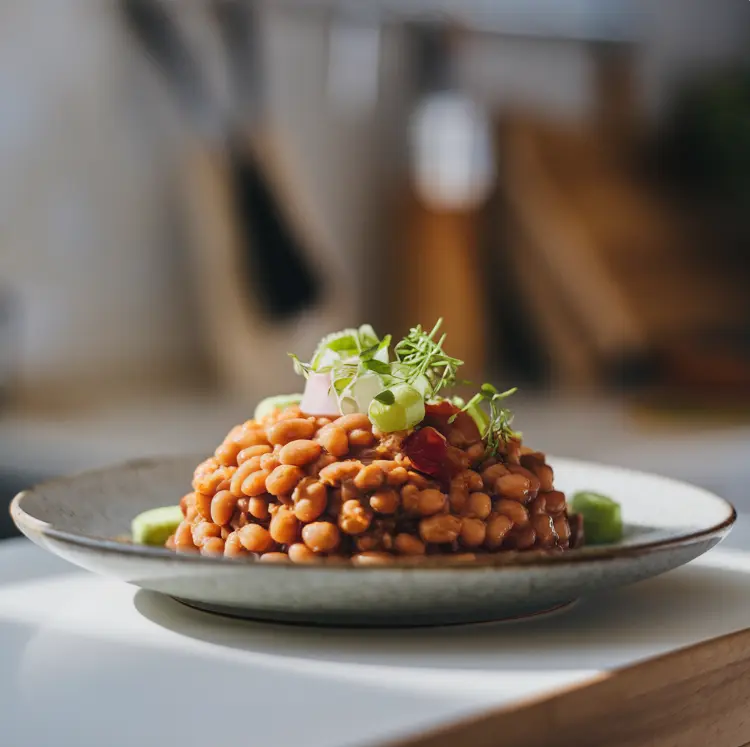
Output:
(190, 191)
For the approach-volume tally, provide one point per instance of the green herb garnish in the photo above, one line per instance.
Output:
(358, 361)
(423, 356)
(496, 428)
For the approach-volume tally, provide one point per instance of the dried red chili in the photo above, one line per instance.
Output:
(430, 452)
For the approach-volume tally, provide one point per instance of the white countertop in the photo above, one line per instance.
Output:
(89, 661)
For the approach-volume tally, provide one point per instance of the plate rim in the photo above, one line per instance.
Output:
(508, 561)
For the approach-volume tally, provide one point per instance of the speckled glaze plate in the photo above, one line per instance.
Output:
(668, 523)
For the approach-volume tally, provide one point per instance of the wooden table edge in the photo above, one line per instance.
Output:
(695, 696)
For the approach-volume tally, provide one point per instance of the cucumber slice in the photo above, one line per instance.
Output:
(421, 383)
(602, 517)
(405, 409)
(154, 527)
(278, 402)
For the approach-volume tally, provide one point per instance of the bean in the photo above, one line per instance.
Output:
(255, 538)
(473, 480)
(227, 453)
(321, 536)
(354, 518)
(555, 502)
(203, 530)
(457, 439)
(419, 481)
(213, 546)
(387, 465)
(361, 438)
(289, 412)
(498, 527)
(310, 498)
(491, 474)
(514, 510)
(562, 528)
(206, 467)
(368, 543)
(313, 470)
(251, 435)
(208, 483)
(334, 474)
(534, 483)
(223, 485)
(475, 452)
(269, 462)
(546, 477)
(254, 464)
(300, 452)
(439, 529)
(255, 484)
(458, 498)
(513, 451)
(385, 501)
(203, 505)
(186, 501)
(233, 547)
(397, 476)
(283, 480)
(408, 544)
(355, 421)
(191, 514)
(545, 530)
(222, 507)
(258, 508)
(369, 478)
(284, 527)
(410, 498)
(183, 538)
(274, 557)
(290, 430)
(334, 440)
(430, 502)
(238, 520)
(253, 451)
(464, 557)
(538, 505)
(243, 472)
(523, 539)
(478, 506)
(372, 558)
(515, 487)
(334, 501)
(473, 532)
(225, 532)
(301, 553)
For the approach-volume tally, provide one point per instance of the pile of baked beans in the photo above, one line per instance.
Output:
(297, 488)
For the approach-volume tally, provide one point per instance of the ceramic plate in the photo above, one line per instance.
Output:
(668, 523)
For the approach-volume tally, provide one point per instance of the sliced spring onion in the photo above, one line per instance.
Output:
(154, 527)
(277, 402)
(367, 336)
(344, 345)
(404, 411)
(602, 517)
(358, 395)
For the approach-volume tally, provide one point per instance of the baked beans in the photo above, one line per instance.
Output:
(298, 488)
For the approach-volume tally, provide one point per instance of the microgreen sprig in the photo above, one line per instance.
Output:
(497, 426)
(420, 355)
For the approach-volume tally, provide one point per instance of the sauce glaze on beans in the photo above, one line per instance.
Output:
(301, 489)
